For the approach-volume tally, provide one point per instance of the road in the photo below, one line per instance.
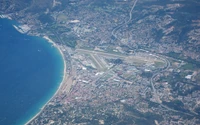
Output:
(167, 65)
(125, 22)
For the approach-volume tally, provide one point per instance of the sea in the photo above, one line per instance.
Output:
(31, 70)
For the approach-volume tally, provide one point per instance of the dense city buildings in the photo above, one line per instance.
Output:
(128, 61)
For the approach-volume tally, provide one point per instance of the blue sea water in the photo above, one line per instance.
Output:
(30, 73)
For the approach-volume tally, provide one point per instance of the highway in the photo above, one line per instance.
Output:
(125, 22)
(167, 65)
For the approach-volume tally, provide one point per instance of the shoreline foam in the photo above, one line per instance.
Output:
(64, 76)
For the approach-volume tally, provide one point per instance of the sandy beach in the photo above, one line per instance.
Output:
(64, 76)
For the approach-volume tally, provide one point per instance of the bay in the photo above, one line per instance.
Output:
(31, 70)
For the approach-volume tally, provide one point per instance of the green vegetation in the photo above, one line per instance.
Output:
(198, 78)
(117, 61)
(176, 104)
(111, 119)
(158, 34)
(102, 3)
(46, 18)
(159, 64)
(145, 118)
(70, 41)
(62, 29)
(147, 74)
(181, 57)
(174, 55)
(197, 110)
(189, 66)
(86, 48)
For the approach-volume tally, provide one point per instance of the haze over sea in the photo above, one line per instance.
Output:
(30, 73)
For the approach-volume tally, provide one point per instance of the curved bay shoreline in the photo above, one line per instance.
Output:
(64, 76)
(24, 29)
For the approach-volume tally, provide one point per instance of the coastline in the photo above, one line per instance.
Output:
(5, 16)
(23, 29)
(64, 76)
